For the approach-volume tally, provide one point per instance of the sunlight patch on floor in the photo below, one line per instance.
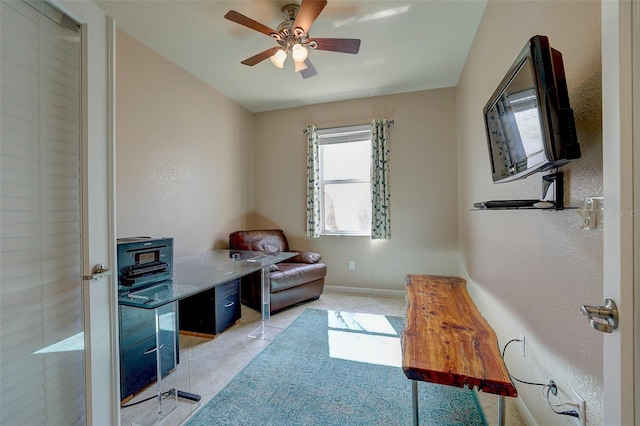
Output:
(365, 338)
(370, 323)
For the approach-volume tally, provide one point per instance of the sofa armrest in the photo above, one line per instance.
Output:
(305, 257)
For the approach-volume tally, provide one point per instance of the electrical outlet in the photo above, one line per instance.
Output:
(580, 406)
(352, 265)
(522, 346)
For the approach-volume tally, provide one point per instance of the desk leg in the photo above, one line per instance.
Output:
(265, 331)
(165, 404)
(414, 401)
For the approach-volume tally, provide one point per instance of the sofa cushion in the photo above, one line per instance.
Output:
(295, 274)
(306, 257)
(259, 240)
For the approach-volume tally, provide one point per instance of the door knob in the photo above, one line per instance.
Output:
(602, 318)
(99, 271)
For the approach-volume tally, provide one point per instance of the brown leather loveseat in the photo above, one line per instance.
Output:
(295, 280)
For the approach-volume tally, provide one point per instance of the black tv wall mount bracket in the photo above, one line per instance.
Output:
(553, 189)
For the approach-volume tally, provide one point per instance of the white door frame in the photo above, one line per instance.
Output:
(617, 141)
(99, 243)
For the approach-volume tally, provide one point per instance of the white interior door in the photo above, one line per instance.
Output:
(100, 304)
(59, 353)
(43, 356)
(618, 119)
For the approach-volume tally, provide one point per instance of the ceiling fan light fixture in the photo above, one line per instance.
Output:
(278, 58)
(299, 66)
(299, 53)
(293, 35)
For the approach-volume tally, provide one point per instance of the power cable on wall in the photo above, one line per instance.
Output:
(551, 388)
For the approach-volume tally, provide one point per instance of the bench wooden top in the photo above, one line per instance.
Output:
(447, 341)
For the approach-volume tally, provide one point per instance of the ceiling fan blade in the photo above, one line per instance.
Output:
(261, 56)
(310, 71)
(344, 45)
(309, 11)
(239, 18)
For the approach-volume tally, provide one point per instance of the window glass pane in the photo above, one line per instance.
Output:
(346, 161)
(347, 207)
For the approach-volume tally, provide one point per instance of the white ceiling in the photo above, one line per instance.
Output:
(407, 45)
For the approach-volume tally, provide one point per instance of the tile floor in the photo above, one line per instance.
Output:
(207, 365)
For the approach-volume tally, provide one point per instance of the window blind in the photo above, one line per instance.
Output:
(42, 353)
(344, 134)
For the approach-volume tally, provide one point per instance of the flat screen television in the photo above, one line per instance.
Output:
(529, 123)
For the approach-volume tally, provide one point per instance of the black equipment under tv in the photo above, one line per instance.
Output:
(528, 121)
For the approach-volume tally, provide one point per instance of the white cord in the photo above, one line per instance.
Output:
(545, 396)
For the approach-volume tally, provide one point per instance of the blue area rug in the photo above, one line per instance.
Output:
(324, 369)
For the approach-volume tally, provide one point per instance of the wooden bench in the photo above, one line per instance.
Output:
(447, 341)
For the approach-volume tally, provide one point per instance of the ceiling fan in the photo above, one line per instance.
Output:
(292, 35)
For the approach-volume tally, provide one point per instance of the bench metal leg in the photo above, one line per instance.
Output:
(414, 400)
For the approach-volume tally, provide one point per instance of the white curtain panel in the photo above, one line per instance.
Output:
(380, 198)
(313, 183)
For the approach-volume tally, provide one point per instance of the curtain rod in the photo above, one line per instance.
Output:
(389, 124)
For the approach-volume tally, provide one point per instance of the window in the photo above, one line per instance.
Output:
(345, 180)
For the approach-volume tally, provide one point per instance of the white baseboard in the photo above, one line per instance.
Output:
(524, 412)
(368, 291)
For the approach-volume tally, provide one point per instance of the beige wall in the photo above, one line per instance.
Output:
(530, 271)
(184, 154)
(423, 187)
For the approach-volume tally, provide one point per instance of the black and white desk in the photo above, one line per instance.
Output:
(191, 277)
